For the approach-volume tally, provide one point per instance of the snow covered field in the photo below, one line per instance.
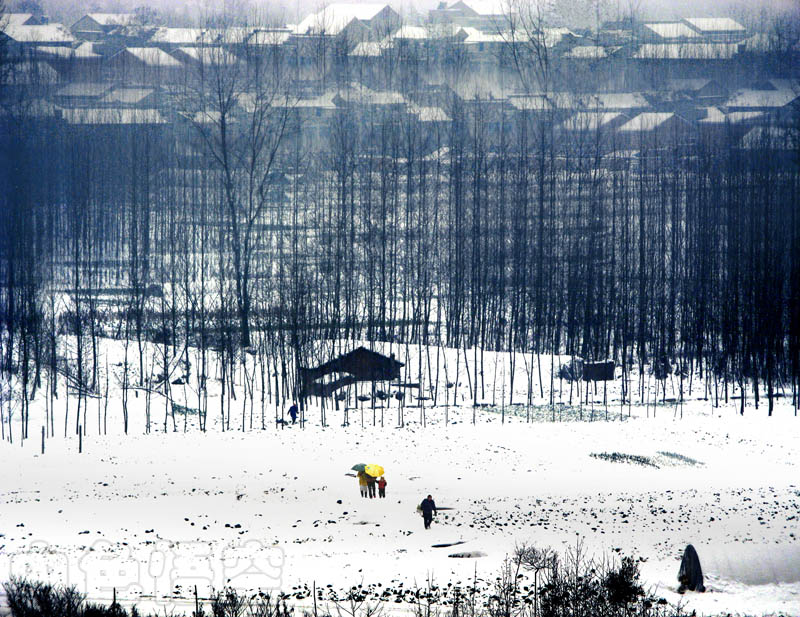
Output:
(154, 515)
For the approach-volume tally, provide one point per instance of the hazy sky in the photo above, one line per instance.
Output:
(294, 10)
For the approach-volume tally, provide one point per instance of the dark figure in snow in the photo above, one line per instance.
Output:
(293, 413)
(690, 575)
(428, 508)
(371, 486)
(382, 487)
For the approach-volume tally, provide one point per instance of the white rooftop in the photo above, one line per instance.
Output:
(763, 98)
(672, 30)
(591, 121)
(336, 17)
(714, 24)
(114, 19)
(646, 121)
(153, 56)
(51, 33)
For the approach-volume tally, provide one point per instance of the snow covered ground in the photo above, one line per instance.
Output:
(156, 514)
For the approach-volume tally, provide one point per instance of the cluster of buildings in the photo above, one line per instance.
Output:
(627, 78)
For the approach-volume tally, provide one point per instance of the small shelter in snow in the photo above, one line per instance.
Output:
(361, 364)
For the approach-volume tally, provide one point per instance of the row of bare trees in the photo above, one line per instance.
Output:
(244, 222)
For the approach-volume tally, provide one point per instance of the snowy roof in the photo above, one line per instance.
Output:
(714, 115)
(591, 121)
(533, 102)
(687, 51)
(714, 24)
(646, 121)
(763, 98)
(323, 101)
(15, 19)
(114, 19)
(84, 51)
(483, 8)
(269, 37)
(429, 114)
(472, 36)
(336, 17)
(112, 116)
(367, 49)
(672, 30)
(85, 89)
(127, 96)
(412, 32)
(51, 33)
(587, 51)
(179, 36)
(153, 56)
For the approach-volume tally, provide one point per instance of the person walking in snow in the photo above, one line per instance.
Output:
(428, 508)
(293, 413)
(362, 483)
(382, 487)
(371, 486)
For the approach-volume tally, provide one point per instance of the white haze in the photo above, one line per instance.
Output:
(581, 13)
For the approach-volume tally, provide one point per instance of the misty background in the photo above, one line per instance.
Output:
(574, 13)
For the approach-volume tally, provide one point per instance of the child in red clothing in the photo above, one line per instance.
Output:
(382, 487)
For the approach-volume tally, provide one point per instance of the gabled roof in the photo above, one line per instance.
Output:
(714, 115)
(108, 116)
(179, 36)
(472, 36)
(671, 30)
(126, 96)
(84, 51)
(153, 56)
(85, 89)
(367, 49)
(429, 114)
(16, 19)
(592, 121)
(411, 33)
(334, 18)
(114, 19)
(51, 33)
(647, 121)
(763, 98)
(532, 102)
(483, 8)
(708, 25)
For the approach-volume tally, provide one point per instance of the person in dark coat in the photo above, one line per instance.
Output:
(428, 508)
(371, 486)
(690, 575)
(293, 413)
(382, 487)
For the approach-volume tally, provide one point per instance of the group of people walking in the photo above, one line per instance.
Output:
(367, 484)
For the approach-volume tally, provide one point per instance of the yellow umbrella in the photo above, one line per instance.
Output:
(374, 470)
